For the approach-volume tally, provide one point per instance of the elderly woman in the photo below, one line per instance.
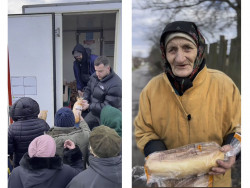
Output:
(188, 103)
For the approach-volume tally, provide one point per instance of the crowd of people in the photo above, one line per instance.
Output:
(66, 154)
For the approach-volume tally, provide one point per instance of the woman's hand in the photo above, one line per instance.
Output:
(69, 144)
(223, 166)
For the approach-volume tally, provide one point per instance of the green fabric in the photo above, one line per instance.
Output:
(105, 142)
(79, 135)
(112, 117)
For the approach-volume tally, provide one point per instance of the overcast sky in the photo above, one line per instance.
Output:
(145, 20)
(142, 23)
(15, 6)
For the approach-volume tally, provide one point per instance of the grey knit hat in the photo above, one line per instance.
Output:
(64, 118)
(105, 142)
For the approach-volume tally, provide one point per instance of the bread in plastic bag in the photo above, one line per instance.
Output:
(139, 179)
(77, 109)
(190, 160)
(43, 114)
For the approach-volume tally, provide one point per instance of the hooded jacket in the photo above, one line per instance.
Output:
(41, 172)
(112, 117)
(102, 172)
(79, 135)
(107, 91)
(208, 111)
(25, 128)
(84, 69)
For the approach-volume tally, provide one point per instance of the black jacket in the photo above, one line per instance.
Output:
(26, 127)
(45, 172)
(102, 172)
(100, 93)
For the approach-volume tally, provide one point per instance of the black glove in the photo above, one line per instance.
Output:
(154, 145)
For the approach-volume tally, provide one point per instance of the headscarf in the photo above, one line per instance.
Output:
(181, 84)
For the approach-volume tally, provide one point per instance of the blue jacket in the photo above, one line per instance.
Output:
(84, 69)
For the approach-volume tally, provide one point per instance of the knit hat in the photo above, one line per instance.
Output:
(42, 146)
(105, 142)
(64, 118)
(179, 34)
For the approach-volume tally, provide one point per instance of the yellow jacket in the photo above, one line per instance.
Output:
(213, 103)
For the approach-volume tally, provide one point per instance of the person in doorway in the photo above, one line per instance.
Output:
(105, 165)
(83, 66)
(188, 103)
(104, 88)
(41, 167)
(65, 129)
(25, 128)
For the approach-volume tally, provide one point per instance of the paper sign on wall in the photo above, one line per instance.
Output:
(22, 86)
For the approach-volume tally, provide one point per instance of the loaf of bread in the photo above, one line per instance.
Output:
(43, 114)
(194, 159)
(77, 109)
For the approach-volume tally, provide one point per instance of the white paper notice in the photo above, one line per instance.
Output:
(23, 85)
(29, 81)
(17, 90)
(30, 90)
(16, 81)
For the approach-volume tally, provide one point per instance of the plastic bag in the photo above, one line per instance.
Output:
(189, 161)
(139, 179)
(77, 109)
(43, 114)
(235, 146)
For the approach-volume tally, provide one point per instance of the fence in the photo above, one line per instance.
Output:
(229, 63)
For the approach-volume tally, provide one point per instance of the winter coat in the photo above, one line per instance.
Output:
(41, 172)
(26, 127)
(79, 135)
(102, 173)
(107, 91)
(208, 111)
(84, 69)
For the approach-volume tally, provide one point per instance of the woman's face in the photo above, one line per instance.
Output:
(181, 54)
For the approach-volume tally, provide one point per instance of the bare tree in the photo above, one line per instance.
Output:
(212, 16)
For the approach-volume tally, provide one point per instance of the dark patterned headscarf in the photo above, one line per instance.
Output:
(181, 84)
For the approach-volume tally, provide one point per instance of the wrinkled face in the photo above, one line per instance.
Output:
(78, 56)
(181, 54)
(102, 71)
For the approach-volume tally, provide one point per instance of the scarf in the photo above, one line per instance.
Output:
(181, 84)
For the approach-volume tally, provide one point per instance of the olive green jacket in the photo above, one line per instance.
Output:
(79, 135)
(206, 112)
